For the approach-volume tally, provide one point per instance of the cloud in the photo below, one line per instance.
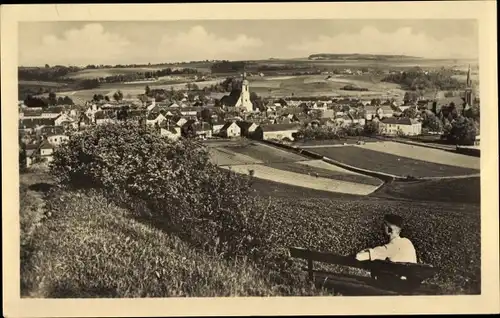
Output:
(89, 45)
(402, 41)
(198, 44)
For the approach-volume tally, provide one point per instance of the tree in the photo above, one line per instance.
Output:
(371, 128)
(432, 122)
(122, 114)
(47, 66)
(118, 95)
(147, 91)
(52, 99)
(206, 115)
(106, 98)
(462, 131)
(410, 112)
(375, 102)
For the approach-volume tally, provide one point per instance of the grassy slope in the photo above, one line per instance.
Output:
(75, 254)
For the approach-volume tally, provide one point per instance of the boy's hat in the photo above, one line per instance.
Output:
(394, 220)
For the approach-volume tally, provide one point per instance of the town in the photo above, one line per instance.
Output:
(192, 114)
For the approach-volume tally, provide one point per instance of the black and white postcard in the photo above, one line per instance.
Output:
(249, 159)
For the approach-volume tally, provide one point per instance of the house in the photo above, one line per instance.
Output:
(247, 128)
(155, 118)
(370, 112)
(57, 139)
(31, 152)
(405, 126)
(202, 129)
(276, 131)
(46, 150)
(385, 111)
(34, 124)
(179, 121)
(102, 118)
(50, 130)
(189, 111)
(230, 130)
(63, 120)
(217, 125)
(170, 131)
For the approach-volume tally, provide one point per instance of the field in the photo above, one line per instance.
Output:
(361, 157)
(431, 155)
(273, 164)
(104, 72)
(318, 85)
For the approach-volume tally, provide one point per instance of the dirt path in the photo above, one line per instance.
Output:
(302, 180)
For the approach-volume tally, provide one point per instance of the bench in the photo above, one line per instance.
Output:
(375, 284)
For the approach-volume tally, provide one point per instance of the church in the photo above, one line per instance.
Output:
(239, 98)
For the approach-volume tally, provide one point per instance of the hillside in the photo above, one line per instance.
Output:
(356, 56)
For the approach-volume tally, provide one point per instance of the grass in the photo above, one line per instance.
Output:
(387, 163)
(103, 72)
(325, 173)
(75, 254)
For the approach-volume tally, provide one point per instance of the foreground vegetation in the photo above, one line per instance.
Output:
(136, 215)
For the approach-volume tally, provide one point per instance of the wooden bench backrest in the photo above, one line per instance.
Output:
(419, 271)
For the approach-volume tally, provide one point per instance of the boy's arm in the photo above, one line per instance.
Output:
(376, 253)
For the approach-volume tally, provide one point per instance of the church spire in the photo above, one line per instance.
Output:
(469, 84)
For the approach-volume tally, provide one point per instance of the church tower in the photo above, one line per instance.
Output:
(468, 91)
(244, 100)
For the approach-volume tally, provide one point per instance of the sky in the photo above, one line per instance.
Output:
(123, 42)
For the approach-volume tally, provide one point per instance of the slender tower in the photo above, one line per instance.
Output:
(244, 100)
(468, 90)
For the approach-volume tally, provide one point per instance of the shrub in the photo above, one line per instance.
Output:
(210, 207)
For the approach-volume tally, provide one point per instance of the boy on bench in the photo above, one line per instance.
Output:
(398, 249)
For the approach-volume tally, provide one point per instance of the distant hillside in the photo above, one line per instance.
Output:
(378, 57)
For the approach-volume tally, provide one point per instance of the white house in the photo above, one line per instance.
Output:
(171, 132)
(46, 151)
(230, 130)
(216, 126)
(57, 139)
(63, 119)
(153, 119)
(405, 126)
(247, 128)
(276, 131)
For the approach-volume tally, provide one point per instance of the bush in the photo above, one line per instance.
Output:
(210, 207)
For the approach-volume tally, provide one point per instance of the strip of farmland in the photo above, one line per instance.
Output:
(225, 157)
(314, 168)
(432, 155)
(266, 154)
(302, 180)
(391, 164)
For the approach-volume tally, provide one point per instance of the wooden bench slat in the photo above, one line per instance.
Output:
(421, 271)
(372, 285)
